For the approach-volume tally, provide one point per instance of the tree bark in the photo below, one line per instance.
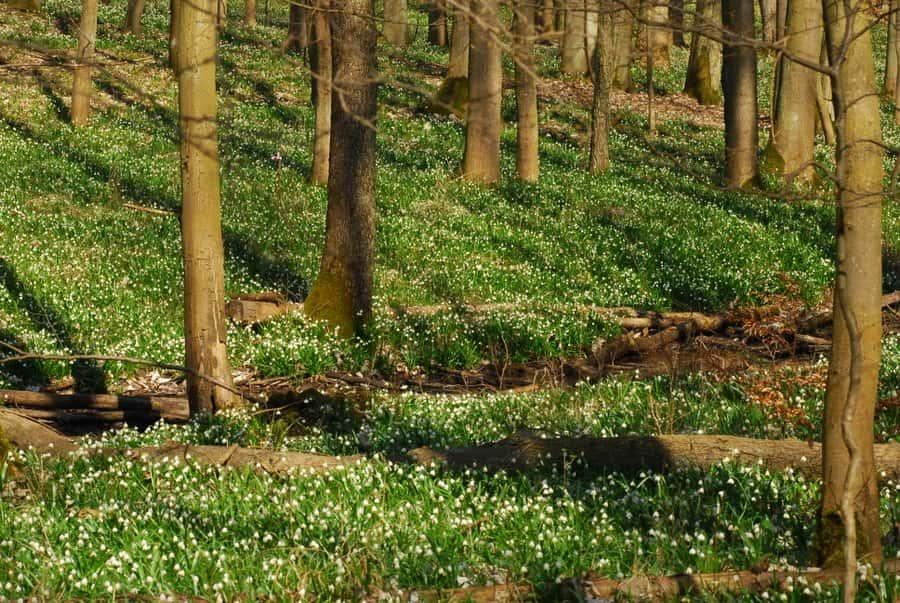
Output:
(528, 451)
(781, 9)
(81, 79)
(459, 43)
(157, 407)
(768, 11)
(395, 23)
(598, 161)
(321, 85)
(204, 260)
(133, 14)
(623, 44)
(437, 24)
(481, 162)
(574, 53)
(342, 292)
(676, 22)
(250, 13)
(659, 37)
(297, 40)
(174, 7)
(527, 164)
(791, 145)
(739, 91)
(892, 54)
(703, 80)
(850, 492)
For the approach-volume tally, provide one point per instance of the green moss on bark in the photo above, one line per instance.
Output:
(452, 97)
(330, 300)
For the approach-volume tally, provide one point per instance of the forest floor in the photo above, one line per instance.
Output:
(86, 269)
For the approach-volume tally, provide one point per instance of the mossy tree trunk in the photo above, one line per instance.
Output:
(791, 145)
(320, 59)
(849, 511)
(133, 15)
(703, 80)
(481, 161)
(342, 292)
(527, 164)
(204, 260)
(437, 24)
(395, 22)
(297, 40)
(598, 160)
(739, 91)
(623, 43)
(81, 79)
(573, 53)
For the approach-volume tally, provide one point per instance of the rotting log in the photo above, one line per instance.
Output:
(149, 408)
(527, 450)
(25, 433)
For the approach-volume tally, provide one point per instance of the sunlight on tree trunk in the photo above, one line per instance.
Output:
(481, 162)
(320, 59)
(703, 80)
(659, 37)
(623, 44)
(768, 16)
(527, 165)
(573, 53)
(892, 52)
(204, 260)
(598, 160)
(250, 13)
(395, 22)
(81, 79)
(849, 516)
(739, 91)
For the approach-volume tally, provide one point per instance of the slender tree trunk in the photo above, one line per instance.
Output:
(704, 72)
(598, 161)
(342, 293)
(546, 17)
(892, 59)
(527, 165)
(459, 43)
(623, 43)
(395, 23)
(222, 13)
(174, 8)
(651, 109)
(781, 9)
(250, 13)
(849, 512)
(297, 40)
(676, 22)
(574, 57)
(321, 78)
(81, 79)
(437, 23)
(133, 14)
(204, 263)
(481, 162)
(739, 88)
(768, 12)
(791, 146)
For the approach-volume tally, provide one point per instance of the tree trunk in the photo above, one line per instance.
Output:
(395, 22)
(676, 22)
(342, 292)
(574, 55)
(250, 13)
(481, 162)
(768, 12)
(703, 80)
(781, 8)
(321, 82)
(546, 17)
(623, 44)
(825, 100)
(598, 160)
(437, 24)
(204, 260)
(133, 14)
(893, 50)
(739, 90)
(174, 7)
(527, 165)
(297, 40)
(81, 79)
(850, 491)
(659, 37)
(791, 146)
(459, 43)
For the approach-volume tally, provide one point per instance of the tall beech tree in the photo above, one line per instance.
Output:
(342, 292)
(297, 40)
(204, 259)
(527, 164)
(739, 89)
(791, 145)
(481, 161)
(659, 36)
(848, 521)
(574, 55)
(81, 79)
(623, 43)
(703, 80)
(395, 22)
(768, 15)
(437, 23)
(320, 59)
(598, 160)
(892, 53)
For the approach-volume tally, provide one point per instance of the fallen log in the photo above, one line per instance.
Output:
(25, 433)
(80, 416)
(526, 451)
(252, 308)
(823, 318)
(628, 344)
(146, 408)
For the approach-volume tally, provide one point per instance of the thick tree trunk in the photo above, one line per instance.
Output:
(704, 72)
(623, 43)
(892, 60)
(297, 40)
(574, 54)
(342, 292)
(481, 162)
(598, 161)
(250, 13)
(739, 90)
(768, 12)
(321, 81)
(437, 23)
(204, 259)
(133, 14)
(676, 22)
(459, 43)
(659, 37)
(527, 165)
(395, 23)
(81, 79)
(546, 17)
(781, 9)
(791, 146)
(850, 490)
